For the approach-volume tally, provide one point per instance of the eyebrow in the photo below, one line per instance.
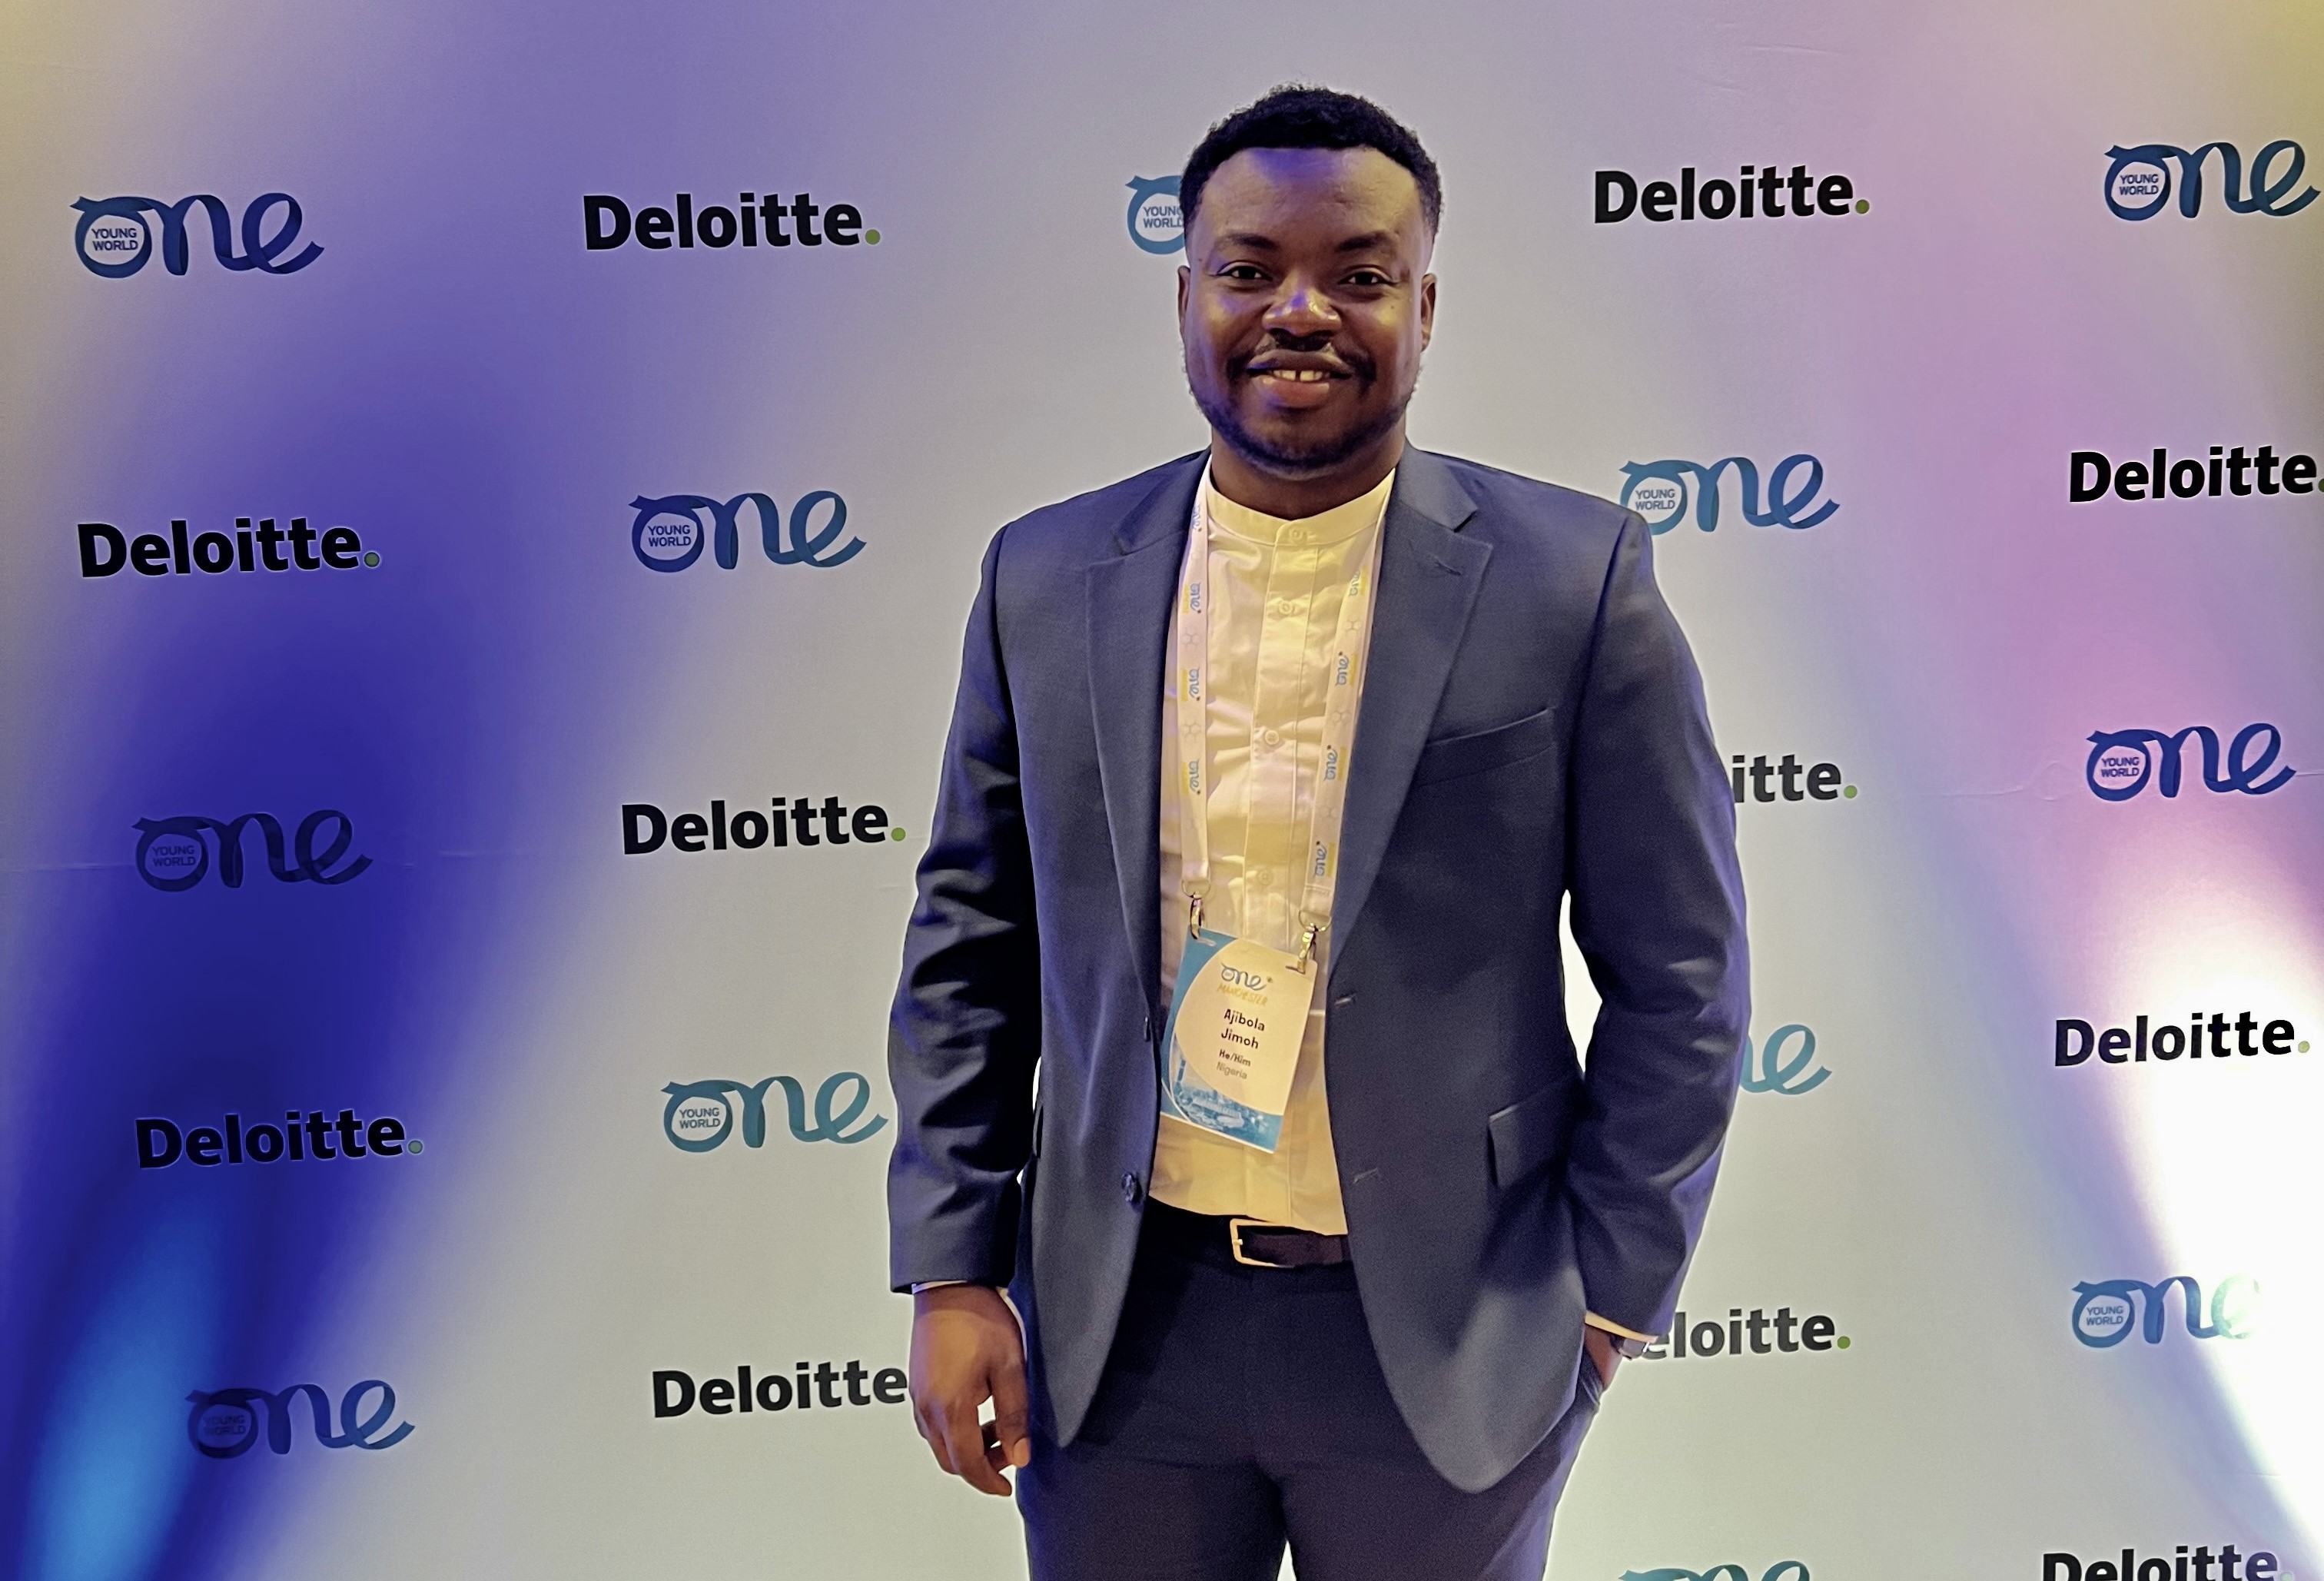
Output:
(1253, 241)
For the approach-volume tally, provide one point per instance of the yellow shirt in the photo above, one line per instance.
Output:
(1276, 589)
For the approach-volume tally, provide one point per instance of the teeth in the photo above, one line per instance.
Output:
(1299, 375)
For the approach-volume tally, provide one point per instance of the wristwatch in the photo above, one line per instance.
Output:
(1627, 1348)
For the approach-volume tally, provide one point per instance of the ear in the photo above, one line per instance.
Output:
(1186, 276)
(1427, 308)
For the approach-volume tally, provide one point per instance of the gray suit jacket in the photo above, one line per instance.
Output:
(1531, 723)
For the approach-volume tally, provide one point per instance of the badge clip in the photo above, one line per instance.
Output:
(1307, 947)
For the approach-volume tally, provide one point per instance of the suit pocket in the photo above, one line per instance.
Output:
(1457, 756)
(1590, 1382)
(1526, 1135)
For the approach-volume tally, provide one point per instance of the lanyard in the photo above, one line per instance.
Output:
(1349, 646)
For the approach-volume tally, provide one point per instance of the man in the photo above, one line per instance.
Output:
(1230, 1041)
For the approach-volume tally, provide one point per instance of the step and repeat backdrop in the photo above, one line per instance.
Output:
(491, 498)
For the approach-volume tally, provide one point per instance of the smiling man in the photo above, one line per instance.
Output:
(1232, 1041)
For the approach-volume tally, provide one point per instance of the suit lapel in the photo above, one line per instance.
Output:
(1429, 577)
(1131, 594)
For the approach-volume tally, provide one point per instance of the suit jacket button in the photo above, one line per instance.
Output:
(1131, 1189)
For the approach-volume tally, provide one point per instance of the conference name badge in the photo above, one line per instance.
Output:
(1232, 1044)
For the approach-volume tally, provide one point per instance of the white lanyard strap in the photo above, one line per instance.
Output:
(1342, 688)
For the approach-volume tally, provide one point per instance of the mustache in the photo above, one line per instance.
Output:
(1316, 353)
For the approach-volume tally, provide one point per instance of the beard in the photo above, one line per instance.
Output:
(1300, 458)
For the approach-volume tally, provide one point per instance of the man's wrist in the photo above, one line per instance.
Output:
(1627, 1342)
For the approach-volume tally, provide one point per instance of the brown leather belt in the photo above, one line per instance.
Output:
(1251, 1242)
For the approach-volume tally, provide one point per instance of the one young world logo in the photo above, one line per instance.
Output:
(226, 1423)
(113, 238)
(671, 530)
(1785, 1063)
(2139, 178)
(1155, 222)
(2105, 1313)
(1663, 492)
(700, 1115)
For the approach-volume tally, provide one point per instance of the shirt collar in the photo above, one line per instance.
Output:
(1326, 527)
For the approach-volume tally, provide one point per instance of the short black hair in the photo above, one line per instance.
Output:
(1293, 117)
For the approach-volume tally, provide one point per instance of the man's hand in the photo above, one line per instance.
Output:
(1598, 1346)
(966, 1349)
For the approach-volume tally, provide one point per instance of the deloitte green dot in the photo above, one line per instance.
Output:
(1843, 1342)
(371, 556)
(414, 1146)
(895, 834)
(2303, 1045)
(1864, 205)
(872, 237)
(1849, 791)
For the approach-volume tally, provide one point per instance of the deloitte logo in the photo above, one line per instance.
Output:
(115, 238)
(1661, 491)
(1155, 223)
(607, 224)
(2183, 1565)
(2121, 762)
(646, 828)
(1752, 1333)
(2092, 475)
(2138, 179)
(1785, 1063)
(826, 1385)
(1797, 781)
(106, 550)
(2242, 1037)
(1754, 194)
(670, 530)
(225, 1422)
(700, 1115)
(162, 1142)
(2105, 1312)
(172, 853)
(1781, 1570)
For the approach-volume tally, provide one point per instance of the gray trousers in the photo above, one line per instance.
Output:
(1242, 1408)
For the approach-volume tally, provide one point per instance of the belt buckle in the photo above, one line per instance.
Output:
(1235, 1227)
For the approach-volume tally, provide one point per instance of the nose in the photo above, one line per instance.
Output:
(1302, 311)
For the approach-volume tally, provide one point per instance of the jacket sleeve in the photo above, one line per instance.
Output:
(965, 1029)
(1659, 916)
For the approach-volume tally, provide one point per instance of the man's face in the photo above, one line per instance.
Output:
(1305, 303)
